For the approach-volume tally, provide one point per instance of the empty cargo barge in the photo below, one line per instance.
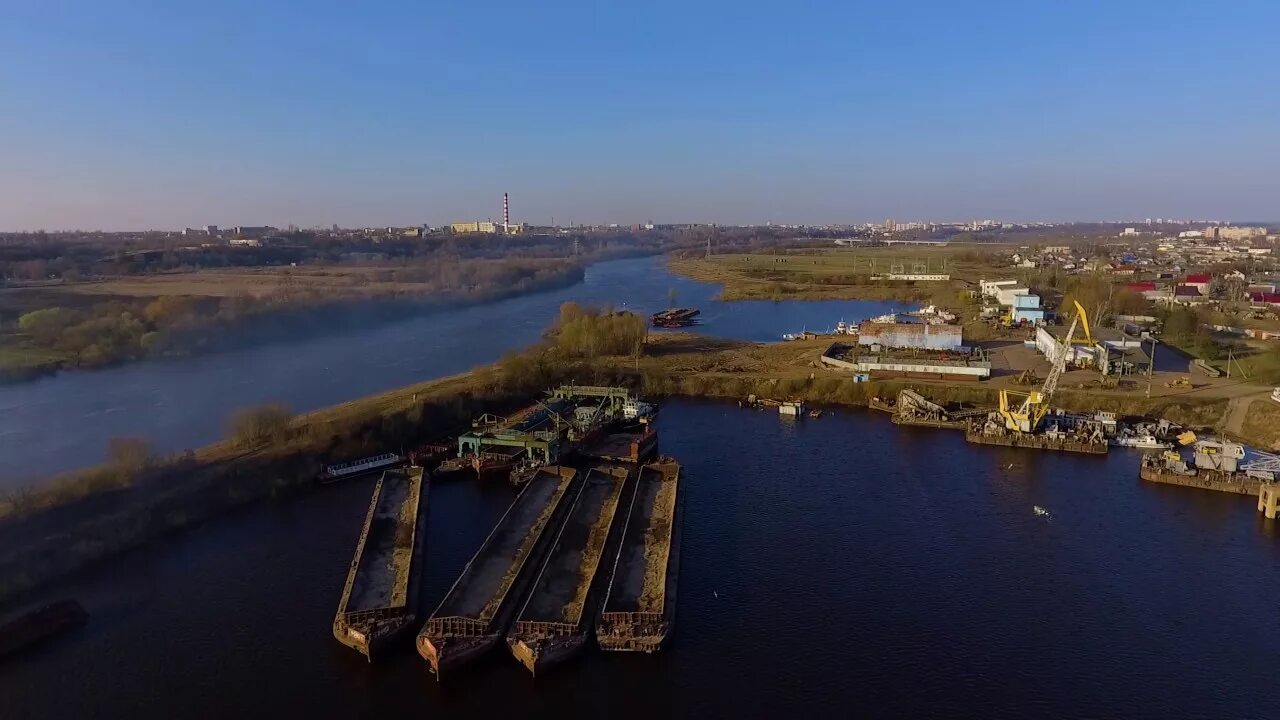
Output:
(475, 613)
(554, 622)
(638, 612)
(380, 599)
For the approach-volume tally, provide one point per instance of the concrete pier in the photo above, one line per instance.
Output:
(1269, 499)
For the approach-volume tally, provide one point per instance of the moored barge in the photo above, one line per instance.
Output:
(479, 607)
(380, 600)
(554, 622)
(675, 317)
(638, 611)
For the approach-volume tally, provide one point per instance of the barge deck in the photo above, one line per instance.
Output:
(475, 613)
(638, 612)
(1217, 480)
(1037, 442)
(381, 596)
(554, 622)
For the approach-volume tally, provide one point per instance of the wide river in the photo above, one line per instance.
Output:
(832, 568)
(63, 422)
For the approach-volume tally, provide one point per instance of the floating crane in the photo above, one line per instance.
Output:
(1026, 417)
(1264, 466)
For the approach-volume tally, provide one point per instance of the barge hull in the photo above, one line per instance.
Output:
(1036, 442)
(381, 596)
(1215, 480)
(556, 617)
(475, 613)
(637, 616)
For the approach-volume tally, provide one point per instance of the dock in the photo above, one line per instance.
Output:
(912, 408)
(381, 596)
(625, 447)
(1036, 441)
(1217, 480)
(477, 610)
(638, 611)
(554, 622)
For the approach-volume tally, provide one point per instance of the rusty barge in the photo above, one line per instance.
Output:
(380, 600)
(1217, 467)
(675, 317)
(638, 611)
(554, 622)
(477, 610)
(1038, 441)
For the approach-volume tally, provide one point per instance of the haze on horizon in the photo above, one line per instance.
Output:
(165, 115)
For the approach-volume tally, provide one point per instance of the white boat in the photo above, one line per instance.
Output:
(1040, 512)
(634, 409)
(344, 470)
(1142, 442)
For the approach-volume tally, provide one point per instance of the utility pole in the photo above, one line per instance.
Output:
(1151, 366)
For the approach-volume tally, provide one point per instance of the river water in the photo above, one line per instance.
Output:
(839, 567)
(63, 422)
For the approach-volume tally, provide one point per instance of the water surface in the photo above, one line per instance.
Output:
(62, 422)
(840, 567)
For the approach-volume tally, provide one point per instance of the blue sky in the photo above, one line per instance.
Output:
(168, 114)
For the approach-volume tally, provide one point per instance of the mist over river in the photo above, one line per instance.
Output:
(64, 421)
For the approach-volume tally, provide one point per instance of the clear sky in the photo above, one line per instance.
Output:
(126, 115)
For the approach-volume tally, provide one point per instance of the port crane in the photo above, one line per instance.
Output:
(1026, 416)
(1264, 466)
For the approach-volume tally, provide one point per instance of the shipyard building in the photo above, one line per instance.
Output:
(920, 336)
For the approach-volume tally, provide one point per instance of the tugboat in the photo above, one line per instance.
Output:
(1143, 442)
(524, 472)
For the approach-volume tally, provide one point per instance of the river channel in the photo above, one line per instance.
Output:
(831, 568)
(63, 422)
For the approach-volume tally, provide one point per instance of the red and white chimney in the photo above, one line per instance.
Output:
(506, 213)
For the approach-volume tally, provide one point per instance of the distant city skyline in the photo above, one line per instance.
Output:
(134, 116)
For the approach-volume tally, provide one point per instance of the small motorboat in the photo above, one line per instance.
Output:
(1040, 511)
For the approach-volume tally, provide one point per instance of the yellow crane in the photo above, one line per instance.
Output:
(1084, 323)
(1026, 416)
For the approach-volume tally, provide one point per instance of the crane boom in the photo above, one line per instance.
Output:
(1084, 322)
(1035, 405)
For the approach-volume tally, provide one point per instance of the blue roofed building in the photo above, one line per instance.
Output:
(1026, 309)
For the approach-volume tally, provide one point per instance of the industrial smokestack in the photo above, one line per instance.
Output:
(506, 213)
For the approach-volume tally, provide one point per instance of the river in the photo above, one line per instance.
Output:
(838, 567)
(64, 421)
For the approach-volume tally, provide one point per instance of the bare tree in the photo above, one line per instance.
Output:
(20, 499)
(263, 423)
(129, 454)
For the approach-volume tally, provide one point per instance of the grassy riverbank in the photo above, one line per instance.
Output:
(116, 320)
(846, 274)
(80, 518)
